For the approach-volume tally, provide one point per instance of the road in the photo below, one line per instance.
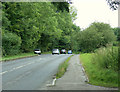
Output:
(75, 79)
(31, 73)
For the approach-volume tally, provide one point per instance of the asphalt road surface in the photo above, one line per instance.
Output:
(31, 73)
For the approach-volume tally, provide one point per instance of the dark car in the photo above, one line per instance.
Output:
(37, 51)
(63, 51)
(55, 51)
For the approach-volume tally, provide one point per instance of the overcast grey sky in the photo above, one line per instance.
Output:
(90, 11)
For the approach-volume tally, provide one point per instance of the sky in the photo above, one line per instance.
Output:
(89, 11)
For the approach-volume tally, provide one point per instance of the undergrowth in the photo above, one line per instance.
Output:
(102, 67)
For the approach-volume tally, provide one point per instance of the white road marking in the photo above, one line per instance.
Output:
(53, 83)
(15, 68)
(4, 72)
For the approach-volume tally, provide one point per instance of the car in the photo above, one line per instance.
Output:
(55, 51)
(69, 51)
(37, 51)
(63, 51)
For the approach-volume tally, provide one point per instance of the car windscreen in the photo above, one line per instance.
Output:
(36, 50)
(55, 49)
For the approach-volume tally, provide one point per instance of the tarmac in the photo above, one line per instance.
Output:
(75, 78)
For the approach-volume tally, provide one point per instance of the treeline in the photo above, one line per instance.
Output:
(96, 36)
(28, 25)
(117, 33)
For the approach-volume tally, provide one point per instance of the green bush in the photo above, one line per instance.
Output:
(95, 36)
(96, 71)
(115, 43)
(10, 43)
(107, 58)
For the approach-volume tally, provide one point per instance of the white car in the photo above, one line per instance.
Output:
(37, 51)
(55, 51)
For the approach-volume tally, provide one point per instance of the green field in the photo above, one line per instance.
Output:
(98, 75)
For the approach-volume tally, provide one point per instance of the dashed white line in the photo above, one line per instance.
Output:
(15, 68)
(4, 72)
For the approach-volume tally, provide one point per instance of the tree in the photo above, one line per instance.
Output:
(95, 36)
(65, 24)
(38, 25)
(73, 12)
(117, 33)
(10, 44)
(113, 4)
(61, 6)
(75, 38)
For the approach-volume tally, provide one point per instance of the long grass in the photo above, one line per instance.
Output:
(62, 68)
(101, 67)
(107, 58)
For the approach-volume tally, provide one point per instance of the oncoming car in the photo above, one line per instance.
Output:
(37, 51)
(63, 51)
(55, 51)
(69, 51)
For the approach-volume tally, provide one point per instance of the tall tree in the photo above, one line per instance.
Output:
(95, 36)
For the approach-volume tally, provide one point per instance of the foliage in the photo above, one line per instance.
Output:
(115, 43)
(48, 25)
(74, 38)
(11, 44)
(97, 74)
(61, 6)
(95, 36)
(73, 12)
(37, 26)
(117, 33)
(107, 58)
(114, 4)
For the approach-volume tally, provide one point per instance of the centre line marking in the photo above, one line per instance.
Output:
(15, 68)
(3, 72)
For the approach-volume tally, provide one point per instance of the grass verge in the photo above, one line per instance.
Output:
(47, 52)
(63, 67)
(98, 76)
(18, 56)
(21, 55)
